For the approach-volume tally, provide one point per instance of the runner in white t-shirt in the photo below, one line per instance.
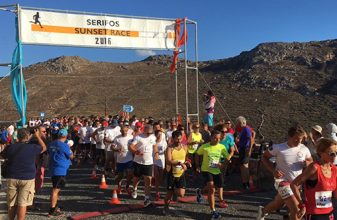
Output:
(84, 143)
(124, 158)
(159, 165)
(94, 127)
(98, 136)
(291, 158)
(111, 133)
(144, 147)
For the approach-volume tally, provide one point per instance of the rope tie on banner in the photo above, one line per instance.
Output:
(179, 40)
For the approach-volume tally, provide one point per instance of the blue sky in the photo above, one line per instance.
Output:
(225, 27)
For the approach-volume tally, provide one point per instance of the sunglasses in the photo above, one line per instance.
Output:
(44, 131)
(333, 154)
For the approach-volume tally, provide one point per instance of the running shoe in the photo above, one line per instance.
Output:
(34, 207)
(134, 194)
(215, 215)
(223, 204)
(260, 215)
(128, 190)
(157, 196)
(55, 213)
(286, 216)
(147, 202)
(166, 210)
(175, 197)
(119, 190)
(200, 198)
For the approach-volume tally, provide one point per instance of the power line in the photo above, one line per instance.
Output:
(6, 75)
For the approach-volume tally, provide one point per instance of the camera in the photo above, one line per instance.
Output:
(265, 146)
(32, 130)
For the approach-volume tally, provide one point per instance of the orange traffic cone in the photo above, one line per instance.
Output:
(251, 183)
(103, 183)
(114, 200)
(93, 174)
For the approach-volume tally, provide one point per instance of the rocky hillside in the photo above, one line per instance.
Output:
(308, 68)
(277, 83)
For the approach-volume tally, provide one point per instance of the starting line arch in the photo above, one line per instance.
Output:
(40, 26)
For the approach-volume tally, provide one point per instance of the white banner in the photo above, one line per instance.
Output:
(70, 29)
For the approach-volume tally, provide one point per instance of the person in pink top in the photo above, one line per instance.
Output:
(210, 100)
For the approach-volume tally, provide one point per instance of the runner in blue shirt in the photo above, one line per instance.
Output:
(60, 156)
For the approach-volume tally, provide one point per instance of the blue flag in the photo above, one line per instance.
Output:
(19, 92)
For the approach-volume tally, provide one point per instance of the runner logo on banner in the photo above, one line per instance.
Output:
(70, 29)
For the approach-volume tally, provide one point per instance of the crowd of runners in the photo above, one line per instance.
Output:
(136, 149)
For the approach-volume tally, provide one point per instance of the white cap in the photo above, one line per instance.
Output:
(331, 128)
(317, 128)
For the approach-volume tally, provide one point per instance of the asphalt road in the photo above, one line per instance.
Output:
(82, 195)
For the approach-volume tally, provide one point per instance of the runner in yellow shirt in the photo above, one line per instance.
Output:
(194, 141)
(176, 155)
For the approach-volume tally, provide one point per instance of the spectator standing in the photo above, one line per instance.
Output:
(41, 162)
(245, 146)
(210, 100)
(21, 173)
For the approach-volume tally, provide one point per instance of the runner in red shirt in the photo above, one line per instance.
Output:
(320, 181)
(228, 125)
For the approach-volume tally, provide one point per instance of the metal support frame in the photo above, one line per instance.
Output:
(187, 68)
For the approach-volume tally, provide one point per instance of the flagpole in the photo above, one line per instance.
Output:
(21, 73)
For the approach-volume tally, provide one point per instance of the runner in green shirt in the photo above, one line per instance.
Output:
(211, 169)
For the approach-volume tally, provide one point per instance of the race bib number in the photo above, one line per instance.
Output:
(213, 163)
(179, 167)
(323, 199)
(283, 188)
